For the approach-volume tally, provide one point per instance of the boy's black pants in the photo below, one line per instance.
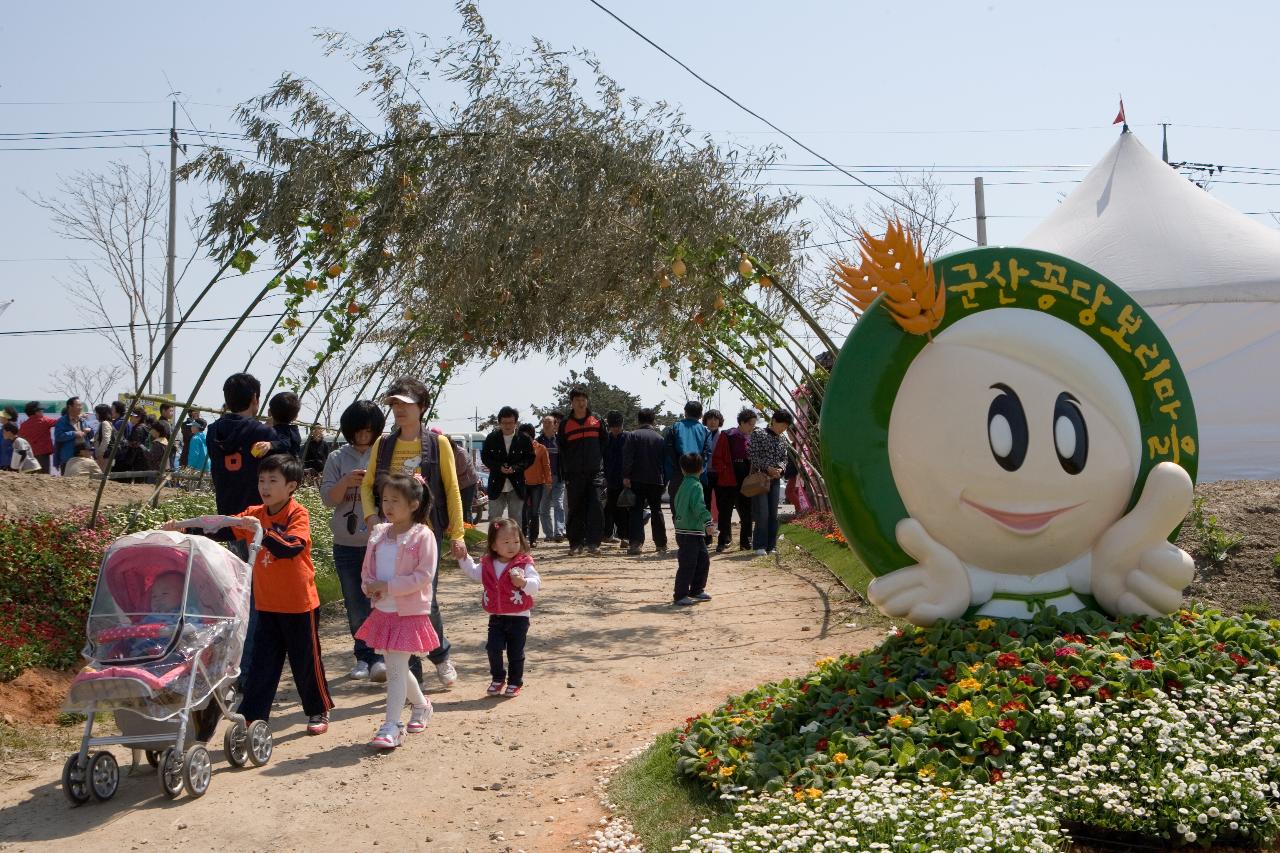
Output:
(585, 516)
(295, 636)
(693, 564)
(509, 633)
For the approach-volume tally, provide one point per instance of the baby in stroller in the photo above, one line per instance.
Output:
(165, 634)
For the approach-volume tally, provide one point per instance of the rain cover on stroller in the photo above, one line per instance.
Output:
(169, 613)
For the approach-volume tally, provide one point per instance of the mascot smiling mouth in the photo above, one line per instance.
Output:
(1019, 522)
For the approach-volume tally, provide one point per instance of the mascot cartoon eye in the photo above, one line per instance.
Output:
(1070, 435)
(1007, 428)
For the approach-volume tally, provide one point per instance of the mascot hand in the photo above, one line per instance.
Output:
(936, 587)
(1135, 569)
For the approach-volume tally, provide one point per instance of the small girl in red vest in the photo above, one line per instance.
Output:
(399, 565)
(510, 581)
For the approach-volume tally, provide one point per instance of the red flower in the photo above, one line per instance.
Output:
(1219, 647)
(1104, 694)
(992, 747)
(939, 690)
(713, 764)
(1065, 651)
(1008, 660)
(822, 745)
(1240, 660)
(831, 712)
(1052, 681)
(804, 688)
(1074, 638)
(949, 674)
(1172, 684)
(1143, 663)
(1014, 634)
(1080, 682)
(1013, 706)
(884, 702)
(851, 666)
(997, 775)
(1007, 724)
(1027, 680)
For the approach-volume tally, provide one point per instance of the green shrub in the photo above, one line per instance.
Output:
(1187, 702)
(1212, 542)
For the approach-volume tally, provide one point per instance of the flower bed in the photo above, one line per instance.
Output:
(1163, 727)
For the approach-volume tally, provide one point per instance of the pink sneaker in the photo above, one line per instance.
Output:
(418, 718)
(388, 737)
(494, 688)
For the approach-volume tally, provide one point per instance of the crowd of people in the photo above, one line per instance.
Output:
(80, 441)
(402, 499)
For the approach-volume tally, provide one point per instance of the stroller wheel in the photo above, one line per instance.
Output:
(235, 743)
(170, 773)
(104, 775)
(197, 769)
(260, 743)
(75, 781)
(153, 758)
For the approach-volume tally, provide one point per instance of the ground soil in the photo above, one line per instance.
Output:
(34, 697)
(1249, 579)
(26, 495)
(611, 664)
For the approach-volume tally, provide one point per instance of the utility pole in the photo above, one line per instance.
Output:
(169, 296)
(980, 210)
(1164, 135)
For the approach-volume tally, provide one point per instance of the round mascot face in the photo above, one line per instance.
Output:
(1014, 441)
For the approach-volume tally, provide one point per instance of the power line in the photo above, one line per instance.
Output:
(761, 118)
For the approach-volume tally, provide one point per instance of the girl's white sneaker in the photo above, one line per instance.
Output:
(418, 718)
(388, 736)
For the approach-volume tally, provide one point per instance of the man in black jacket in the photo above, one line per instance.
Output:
(506, 453)
(643, 471)
(582, 439)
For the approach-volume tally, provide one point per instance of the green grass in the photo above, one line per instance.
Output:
(838, 558)
(661, 806)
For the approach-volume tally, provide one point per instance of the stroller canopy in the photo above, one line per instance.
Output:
(133, 563)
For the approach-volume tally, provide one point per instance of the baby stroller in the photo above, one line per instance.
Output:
(165, 635)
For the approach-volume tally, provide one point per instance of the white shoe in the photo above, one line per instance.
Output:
(378, 673)
(360, 671)
(446, 673)
(388, 736)
(760, 552)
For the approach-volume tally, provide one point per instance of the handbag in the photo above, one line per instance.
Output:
(626, 499)
(755, 484)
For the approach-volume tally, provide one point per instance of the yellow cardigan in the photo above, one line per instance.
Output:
(406, 450)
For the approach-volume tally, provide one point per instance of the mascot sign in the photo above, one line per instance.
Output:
(1006, 430)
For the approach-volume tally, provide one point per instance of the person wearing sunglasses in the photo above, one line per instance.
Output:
(344, 469)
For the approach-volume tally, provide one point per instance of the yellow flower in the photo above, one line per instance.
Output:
(969, 684)
(1119, 656)
(814, 793)
(926, 772)
(824, 662)
(966, 759)
(965, 707)
(971, 648)
(799, 795)
(1156, 653)
(898, 721)
(728, 769)
(702, 752)
(839, 758)
(927, 649)
(919, 641)
(984, 624)
(944, 793)
(735, 720)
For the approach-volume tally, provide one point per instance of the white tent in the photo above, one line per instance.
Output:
(1208, 274)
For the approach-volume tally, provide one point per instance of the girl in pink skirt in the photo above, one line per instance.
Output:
(399, 566)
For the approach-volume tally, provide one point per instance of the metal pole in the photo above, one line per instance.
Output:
(980, 210)
(169, 297)
(1164, 143)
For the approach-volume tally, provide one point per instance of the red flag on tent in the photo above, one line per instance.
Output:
(1120, 115)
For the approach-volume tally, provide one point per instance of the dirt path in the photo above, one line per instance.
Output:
(610, 665)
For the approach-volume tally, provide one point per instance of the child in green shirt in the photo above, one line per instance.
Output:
(693, 525)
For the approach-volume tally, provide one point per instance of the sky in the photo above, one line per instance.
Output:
(1022, 94)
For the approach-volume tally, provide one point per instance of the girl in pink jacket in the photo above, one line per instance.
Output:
(399, 565)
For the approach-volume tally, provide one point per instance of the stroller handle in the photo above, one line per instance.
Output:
(217, 522)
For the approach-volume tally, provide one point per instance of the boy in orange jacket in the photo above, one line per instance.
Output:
(284, 590)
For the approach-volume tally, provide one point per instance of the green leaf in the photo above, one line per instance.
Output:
(243, 260)
(277, 338)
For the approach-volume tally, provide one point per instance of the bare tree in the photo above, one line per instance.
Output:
(332, 388)
(922, 203)
(91, 383)
(121, 214)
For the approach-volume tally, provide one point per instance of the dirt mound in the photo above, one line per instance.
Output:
(35, 696)
(26, 495)
(1249, 578)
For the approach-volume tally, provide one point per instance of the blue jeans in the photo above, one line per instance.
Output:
(553, 509)
(764, 518)
(348, 560)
